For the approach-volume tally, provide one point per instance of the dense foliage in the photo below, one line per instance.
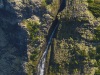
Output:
(33, 29)
(94, 7)
(71, 57)
(97, 34)
(90, 1)
(98, 60)
(34, 38)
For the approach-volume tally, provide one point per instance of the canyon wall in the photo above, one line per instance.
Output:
(25, 26)
(16, 47)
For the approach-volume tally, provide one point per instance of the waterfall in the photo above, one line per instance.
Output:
(41, 64)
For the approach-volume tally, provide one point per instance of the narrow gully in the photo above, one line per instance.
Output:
(51, 34)
(56, 21)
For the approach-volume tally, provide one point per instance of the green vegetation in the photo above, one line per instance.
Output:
(97, 72)
(98, 60)
(90, 1)
(33, 29)
(94, 7)
(97, 34)
(98, 55)
(72, 54)
(53, 7)
(34, 38)
(70, 57)
(44, 4)
(83, 20)
(34, 55)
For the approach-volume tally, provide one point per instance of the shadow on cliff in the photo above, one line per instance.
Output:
(11, 9)
(68, 30)
(56, 21)
(16, 37)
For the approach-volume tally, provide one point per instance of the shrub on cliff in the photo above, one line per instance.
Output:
(44, 4)
(97, 34)
(95, 9)
(97, 72)
(33, 30)
(90, 1)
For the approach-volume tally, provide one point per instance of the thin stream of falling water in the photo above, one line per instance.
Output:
(41, 65)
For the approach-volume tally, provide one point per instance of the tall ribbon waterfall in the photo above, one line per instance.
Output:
(41, 65)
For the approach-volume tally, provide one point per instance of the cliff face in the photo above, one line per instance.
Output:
(13, 42)
(24, 29)
(16, 45)
(74, 50)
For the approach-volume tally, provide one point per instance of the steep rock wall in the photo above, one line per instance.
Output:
(15, 48)
(71, 50)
